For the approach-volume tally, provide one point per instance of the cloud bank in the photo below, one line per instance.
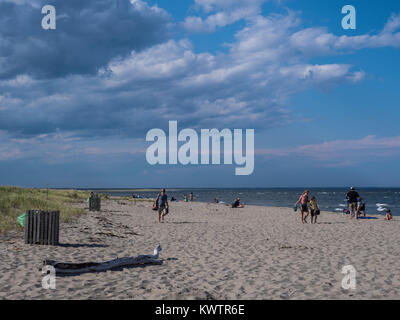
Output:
(89, 34)
(91, 79)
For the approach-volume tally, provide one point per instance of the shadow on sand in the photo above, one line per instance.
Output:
(331, 222)
(186, 222)
(82, 245)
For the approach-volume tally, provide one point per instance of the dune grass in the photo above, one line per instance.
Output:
(15, 201)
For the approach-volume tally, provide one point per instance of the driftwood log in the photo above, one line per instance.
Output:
(78, 268)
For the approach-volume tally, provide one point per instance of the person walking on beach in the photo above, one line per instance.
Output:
(314, 209)
(191, 196)
(163, 206)
(352, 197)
(304, 207)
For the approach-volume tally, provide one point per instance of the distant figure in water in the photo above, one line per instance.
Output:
(304, 207)
(191, 196)
(216, 200)
(389, 215)
(237, 204)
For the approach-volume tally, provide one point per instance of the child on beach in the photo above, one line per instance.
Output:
(389, 215)
(304, 208)
(314, 210)
(360, 207)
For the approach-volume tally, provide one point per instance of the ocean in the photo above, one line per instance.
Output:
(329, 199)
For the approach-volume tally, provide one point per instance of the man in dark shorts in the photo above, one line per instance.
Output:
(352, 199)
(163, 207)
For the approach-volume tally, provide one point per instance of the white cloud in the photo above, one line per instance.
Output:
(212, 5)
(247, 87)
(222, 13)
(317, 41)
(334, 153)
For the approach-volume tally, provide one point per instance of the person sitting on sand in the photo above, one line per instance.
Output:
(360, 207)
(389, 215)
(163, 206)
(304, 208)
(237, 204)
(216, 200)
(314, 209)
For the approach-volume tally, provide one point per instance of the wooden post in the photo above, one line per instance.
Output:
(57, 231)
(46, 228)
(42, 227)
(35, 227)
(30, 227)
(91, 201)
(28, 213)
(53, 235)
(51, 230)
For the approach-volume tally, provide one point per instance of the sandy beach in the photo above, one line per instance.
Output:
(210, 251)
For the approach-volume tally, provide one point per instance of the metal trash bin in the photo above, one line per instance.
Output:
(42, 227)
(94, 203)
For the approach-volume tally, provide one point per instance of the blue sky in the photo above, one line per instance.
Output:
(76, 102)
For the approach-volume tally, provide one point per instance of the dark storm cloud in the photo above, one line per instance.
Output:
(88, 35)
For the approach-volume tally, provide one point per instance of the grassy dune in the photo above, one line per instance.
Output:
(15, 201)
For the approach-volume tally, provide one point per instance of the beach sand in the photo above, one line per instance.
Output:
(210, 251)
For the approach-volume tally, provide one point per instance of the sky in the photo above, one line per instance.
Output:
(77, 102)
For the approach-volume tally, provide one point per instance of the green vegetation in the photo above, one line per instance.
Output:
(15, 201)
